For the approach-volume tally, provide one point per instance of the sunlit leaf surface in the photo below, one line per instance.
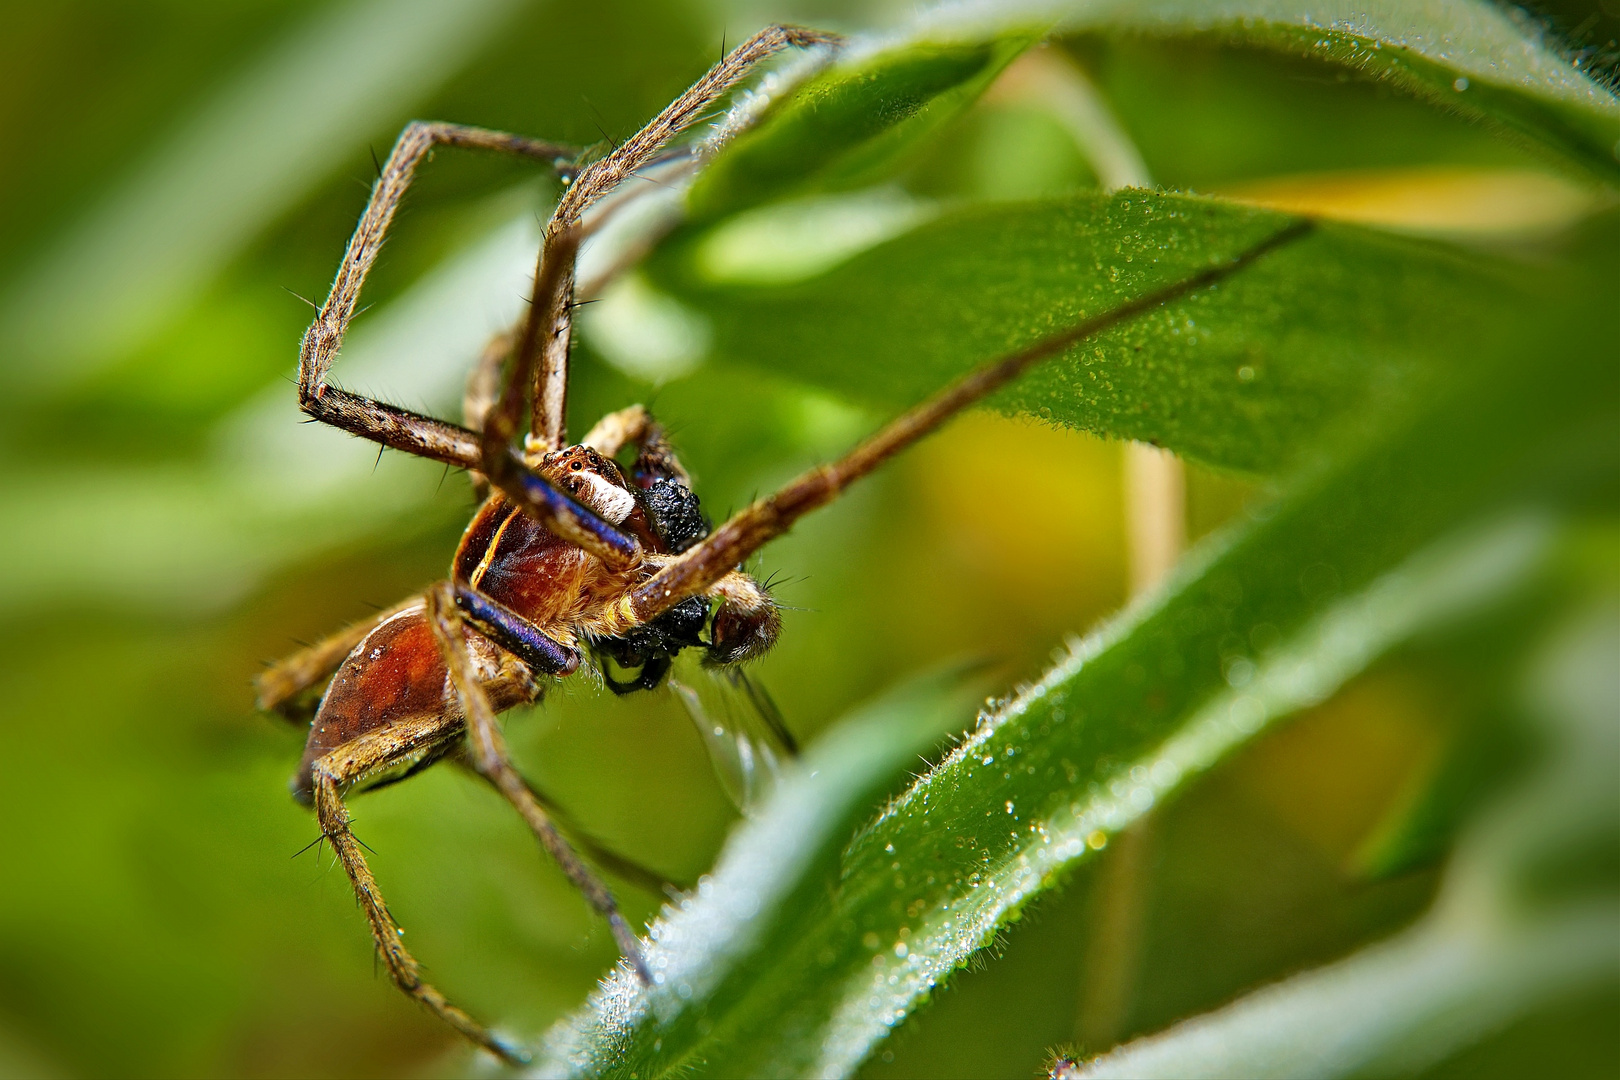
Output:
(1244, 374)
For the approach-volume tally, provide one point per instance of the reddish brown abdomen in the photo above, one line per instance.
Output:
(395, 673)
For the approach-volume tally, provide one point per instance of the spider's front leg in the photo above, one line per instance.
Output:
(398, 428)
(705, 564)
(449, 608)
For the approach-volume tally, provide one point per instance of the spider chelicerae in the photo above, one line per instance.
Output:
(573, 558)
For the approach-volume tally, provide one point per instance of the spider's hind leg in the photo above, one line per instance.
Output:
(654, 882)
(370, 754)
(488, 754)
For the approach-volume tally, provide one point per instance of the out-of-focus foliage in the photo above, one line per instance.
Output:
(1378, 703)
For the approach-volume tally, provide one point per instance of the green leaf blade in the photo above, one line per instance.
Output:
(1473, 59)
(847, 126)
(1245, 374)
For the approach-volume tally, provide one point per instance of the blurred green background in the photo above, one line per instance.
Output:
(179, 175)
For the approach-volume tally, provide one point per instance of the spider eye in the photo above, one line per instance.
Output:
(577, 465)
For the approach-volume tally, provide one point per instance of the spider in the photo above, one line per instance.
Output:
(571, 559)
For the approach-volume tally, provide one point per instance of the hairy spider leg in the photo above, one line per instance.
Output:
(647, 878)
(488, 754)
(711, 560)
(543, 343)
(387, 424)
(376, 751)
(411, 432)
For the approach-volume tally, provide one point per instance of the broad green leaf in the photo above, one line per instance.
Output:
(1245, 374)
(850, 124)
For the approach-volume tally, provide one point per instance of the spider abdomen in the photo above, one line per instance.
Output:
(395, 676)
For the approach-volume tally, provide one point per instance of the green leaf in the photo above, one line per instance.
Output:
(1244, 374)
(849, 125)
(777, 861)
(1389, 1010)
(1474, 59)
(1482, 957)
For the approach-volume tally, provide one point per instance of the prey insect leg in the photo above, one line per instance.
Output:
(370, 753)
(700, 567)
(387, 424)
(488, 754)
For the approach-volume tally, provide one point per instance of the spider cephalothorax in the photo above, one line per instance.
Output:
(668, 520)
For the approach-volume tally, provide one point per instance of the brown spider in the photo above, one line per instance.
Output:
(568, 555)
